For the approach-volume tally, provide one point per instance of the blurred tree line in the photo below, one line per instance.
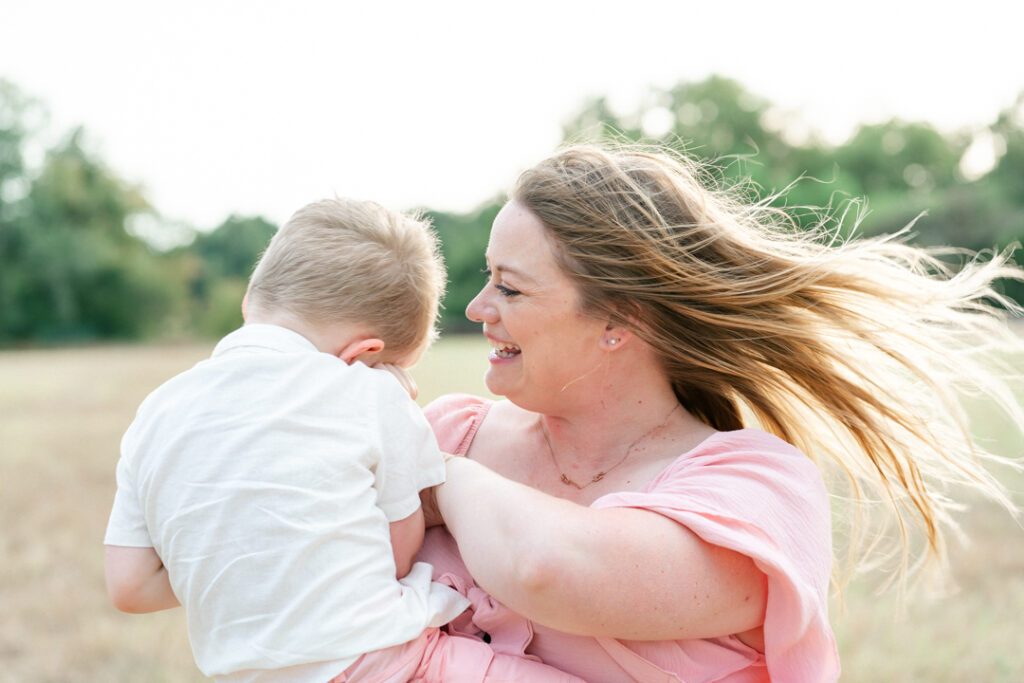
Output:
(80, 261)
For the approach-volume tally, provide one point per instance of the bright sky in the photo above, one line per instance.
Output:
(258, 107)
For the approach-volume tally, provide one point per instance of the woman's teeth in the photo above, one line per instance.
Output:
(501, 350)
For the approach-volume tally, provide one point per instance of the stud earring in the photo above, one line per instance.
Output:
(613, 342)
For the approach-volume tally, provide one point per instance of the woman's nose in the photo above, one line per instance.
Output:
(480, 310)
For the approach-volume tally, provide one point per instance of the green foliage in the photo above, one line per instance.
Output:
(463, 240)
(899, 169)
(222, 261)
(69, 270)
(234, 247)
(718, 121)
(897, 157)
(19, 117)
(220, 310)
(1009, 171)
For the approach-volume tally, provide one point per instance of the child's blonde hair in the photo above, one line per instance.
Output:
(344, 260)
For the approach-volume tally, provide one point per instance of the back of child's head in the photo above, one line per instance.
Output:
(343, 260)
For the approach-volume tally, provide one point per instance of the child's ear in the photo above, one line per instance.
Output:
(352, 351)
(245, 302)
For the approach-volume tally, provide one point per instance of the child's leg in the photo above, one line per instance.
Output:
(467, 660)
(397, 664)
(436, 657)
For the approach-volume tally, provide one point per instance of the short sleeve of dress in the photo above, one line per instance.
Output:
(455, 419)
(754, 493)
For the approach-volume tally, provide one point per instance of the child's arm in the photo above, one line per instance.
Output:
(406, 534)
(137, 580)
(406, 539)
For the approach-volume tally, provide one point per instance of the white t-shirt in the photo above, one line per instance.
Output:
(265, 478)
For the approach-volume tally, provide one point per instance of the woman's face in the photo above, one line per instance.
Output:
(541, 342)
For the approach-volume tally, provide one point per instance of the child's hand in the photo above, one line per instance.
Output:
(428, 499)
(403, 376)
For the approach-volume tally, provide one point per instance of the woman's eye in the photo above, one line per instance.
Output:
(505, 291)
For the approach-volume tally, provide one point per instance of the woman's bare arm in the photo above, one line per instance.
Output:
(617, 572)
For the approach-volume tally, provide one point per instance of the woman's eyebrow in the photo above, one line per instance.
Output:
(501, 268)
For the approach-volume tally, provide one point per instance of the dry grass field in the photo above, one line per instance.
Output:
(62, 413)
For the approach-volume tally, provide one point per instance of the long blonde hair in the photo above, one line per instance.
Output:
(853, 351)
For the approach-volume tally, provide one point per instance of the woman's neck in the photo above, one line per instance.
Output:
(616, 425)
(603, 434)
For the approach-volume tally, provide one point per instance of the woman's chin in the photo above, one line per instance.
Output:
(494, 384)
(498, 381)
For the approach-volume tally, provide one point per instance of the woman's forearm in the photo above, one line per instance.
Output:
(495, 523)
(597, 572)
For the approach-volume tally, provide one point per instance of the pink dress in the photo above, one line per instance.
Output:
(745, 490)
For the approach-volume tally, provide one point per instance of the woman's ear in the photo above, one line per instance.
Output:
(245, 305)
(353, 351)
(615, 336)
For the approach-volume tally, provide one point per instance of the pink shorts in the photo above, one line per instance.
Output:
(436, 656)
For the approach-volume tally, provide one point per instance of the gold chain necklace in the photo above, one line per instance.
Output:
(600, 475)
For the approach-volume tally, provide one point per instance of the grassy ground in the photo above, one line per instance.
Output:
(62, 413)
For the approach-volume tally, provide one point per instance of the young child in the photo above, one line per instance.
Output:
(273, 489)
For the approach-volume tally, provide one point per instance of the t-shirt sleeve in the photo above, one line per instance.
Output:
(455, 419)
(753, 493)
(127, 523)
(410, 458)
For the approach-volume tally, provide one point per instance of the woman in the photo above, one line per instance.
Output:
(626, 522)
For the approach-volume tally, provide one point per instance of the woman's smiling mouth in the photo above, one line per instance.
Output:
(504, 349)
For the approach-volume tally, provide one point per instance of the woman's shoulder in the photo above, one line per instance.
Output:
(743, 465)
(453, 403)
(752, 446)
(455, 419)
